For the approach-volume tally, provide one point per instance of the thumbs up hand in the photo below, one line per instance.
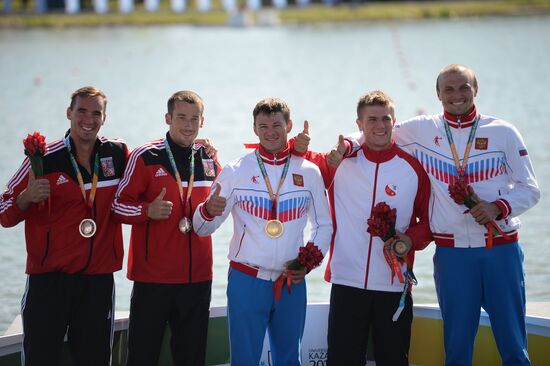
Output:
(37, 190)
(158, 208)
(335, 156)
(302, 139)
(216, 203)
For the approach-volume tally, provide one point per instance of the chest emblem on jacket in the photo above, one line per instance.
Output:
(482, 143)
(208, 165)
(161, 173)
(61, 180)
(437, 139)
(255, 179)
(391, 190)
(108, 167)
(298, 180)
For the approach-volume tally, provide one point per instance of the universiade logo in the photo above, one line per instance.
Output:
(317, 357)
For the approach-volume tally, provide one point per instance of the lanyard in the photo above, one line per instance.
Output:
(177, 174)
(461, 168)
(90, 201)
(273, 196)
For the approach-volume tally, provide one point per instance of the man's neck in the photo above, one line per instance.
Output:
(84, 151)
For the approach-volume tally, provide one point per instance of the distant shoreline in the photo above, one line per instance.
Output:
(313, 14)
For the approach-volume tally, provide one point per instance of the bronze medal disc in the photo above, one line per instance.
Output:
(399, 248)
(274, 229)
(185, 225)
(87, 228)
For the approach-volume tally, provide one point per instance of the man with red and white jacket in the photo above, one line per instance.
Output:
(271, 196)
(171, 266)
(73, 243)
(367, 292)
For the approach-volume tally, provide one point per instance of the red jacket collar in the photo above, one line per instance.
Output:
(463, 121)
(274, 159)
(380, 156)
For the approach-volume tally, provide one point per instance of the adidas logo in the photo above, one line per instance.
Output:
(61, 180)
(160, 173)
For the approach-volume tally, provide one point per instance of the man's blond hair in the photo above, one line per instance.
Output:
(373, 98)
(457, 69)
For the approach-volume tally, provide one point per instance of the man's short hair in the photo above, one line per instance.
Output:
(271, 105)
(88, 91)
(186, 96)
(373, 98)
(456, 68)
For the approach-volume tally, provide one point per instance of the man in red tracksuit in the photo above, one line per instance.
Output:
(170, 265)
(73, 243)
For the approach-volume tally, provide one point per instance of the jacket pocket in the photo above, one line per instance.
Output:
(241, 241)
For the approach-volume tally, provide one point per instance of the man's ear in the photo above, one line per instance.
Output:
(69, 113)
(289, 126)
(168, 118)
(202, 122)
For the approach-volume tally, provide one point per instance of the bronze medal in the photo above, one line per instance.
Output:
(185, 225)
(87, 228)
(274, 229)
(399, 248)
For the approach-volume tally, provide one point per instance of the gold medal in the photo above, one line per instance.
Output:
(87, 228)
(274, 229)
(185, 225)
(399, 248)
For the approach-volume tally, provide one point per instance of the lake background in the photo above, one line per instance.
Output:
(320, 70)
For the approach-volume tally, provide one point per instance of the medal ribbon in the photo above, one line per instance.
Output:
(461, 168)
(178, 177)
(274, 196)
(90, 201)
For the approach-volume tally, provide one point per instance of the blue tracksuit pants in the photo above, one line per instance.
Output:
(468, 279)
(251, 309)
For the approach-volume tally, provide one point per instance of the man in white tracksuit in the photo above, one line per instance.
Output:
(467, 275)
(271, 195)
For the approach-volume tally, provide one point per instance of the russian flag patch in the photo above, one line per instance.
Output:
(523, 152)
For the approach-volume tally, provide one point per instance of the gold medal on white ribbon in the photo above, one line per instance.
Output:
(87, 228)
(274, 229)
(185, 225)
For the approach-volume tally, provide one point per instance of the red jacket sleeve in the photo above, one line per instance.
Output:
(128, 205)
(419, 229)
(10, 214)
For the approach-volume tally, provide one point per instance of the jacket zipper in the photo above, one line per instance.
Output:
(370, 236)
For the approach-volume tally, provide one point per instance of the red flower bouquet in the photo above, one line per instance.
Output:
(35, 149)
(463, 194)
(382, 221)
(382, 224)
(309, 257)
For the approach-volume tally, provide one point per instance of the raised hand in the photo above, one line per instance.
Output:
(335, 156)
(302, 139)
(37, 190)
(158, 208)
(209, 147)
(216, 203)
